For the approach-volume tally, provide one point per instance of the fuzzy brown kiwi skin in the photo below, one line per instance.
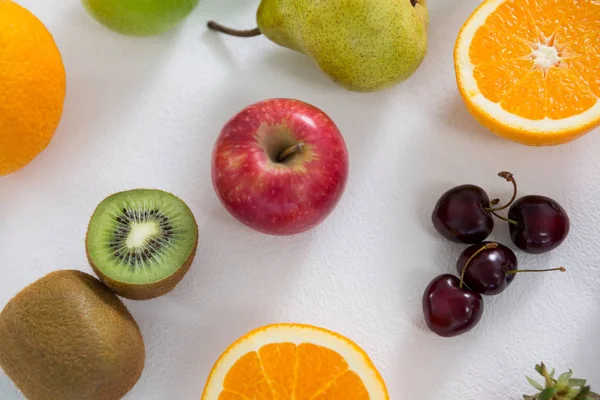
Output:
(68, 336)
(149, 290)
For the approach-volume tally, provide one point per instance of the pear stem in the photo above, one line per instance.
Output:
(515, 271)
(290, 151)
(488, 246)
(509, 177)
(233, 32)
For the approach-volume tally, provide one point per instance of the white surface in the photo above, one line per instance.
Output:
(146, 112)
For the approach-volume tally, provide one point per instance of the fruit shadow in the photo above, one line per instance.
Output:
(233, 13)
(425, 361)
(299, 67)
(223, 11)
(183, 343)
(415, 344)
(237, 280)
(219, 49)
(466, 152)
(437, 358)
(107, 74)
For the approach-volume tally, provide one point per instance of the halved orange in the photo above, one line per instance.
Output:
(529, 70)
(294, 362)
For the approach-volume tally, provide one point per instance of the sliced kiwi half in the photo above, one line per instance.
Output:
(142, 242)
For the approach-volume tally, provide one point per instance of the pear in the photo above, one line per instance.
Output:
(362, 45)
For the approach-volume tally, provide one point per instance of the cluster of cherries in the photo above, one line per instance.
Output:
(464, 214)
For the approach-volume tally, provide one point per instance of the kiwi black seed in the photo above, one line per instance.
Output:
(142, 242)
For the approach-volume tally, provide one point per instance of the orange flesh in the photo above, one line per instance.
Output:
(284, 371)
(506, 70)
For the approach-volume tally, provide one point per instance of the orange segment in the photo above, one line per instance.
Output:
(514, 17)
(317, 366)
(583, 17)
(529, 70)
(495, 79)
(489, 45)
(346, 386)
(279, 362)
(567, 94)
(246, 378)
(527, 98)
(294, 362)
(588, 45)
(586, 68)
(548, 14)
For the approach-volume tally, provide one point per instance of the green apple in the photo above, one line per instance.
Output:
(140, 17)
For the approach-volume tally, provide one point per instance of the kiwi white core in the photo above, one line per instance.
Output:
(140, 233)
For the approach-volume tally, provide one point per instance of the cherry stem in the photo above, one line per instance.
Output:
(515, 271)
(510, 221)
(233, 32)
(509, 177)
(487, 246)
(290, 151)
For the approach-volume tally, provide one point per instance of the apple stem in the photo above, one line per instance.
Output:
(515, 271)
(491, 245)
(290, 151)
(509, 177)
(233, 32)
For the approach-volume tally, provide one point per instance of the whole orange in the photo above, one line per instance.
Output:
(32, 86)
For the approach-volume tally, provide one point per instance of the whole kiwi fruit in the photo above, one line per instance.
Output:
(68, 337)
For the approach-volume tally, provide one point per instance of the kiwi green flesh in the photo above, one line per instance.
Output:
(141, 236)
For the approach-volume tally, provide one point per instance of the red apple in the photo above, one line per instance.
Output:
(280, 166)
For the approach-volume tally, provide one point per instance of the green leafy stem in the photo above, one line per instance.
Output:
(564, 388)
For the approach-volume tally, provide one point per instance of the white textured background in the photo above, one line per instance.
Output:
(146, 112)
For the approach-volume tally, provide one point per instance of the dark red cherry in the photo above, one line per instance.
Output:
(463, 213)
(450, 310)
(460, 215)
(488, 268)
(538, 224)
